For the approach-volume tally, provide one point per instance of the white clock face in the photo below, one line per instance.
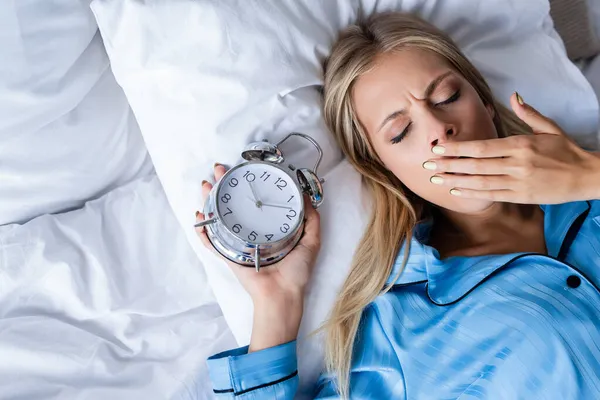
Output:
(259, 203)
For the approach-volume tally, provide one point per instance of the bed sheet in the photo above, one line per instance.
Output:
(106, 302)
(67, 133)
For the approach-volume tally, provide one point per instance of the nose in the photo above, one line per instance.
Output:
(444, 138)
(440, 131)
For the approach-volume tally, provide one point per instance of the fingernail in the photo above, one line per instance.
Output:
(438, 149)
(455, 192)
(204, 182)
(519, 98)
(216, 165)
(438, 180)
(430, 165)
(197, 214)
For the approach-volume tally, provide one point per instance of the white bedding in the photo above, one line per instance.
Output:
(67, 133)
(106, 302)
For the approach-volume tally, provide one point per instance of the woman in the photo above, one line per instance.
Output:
(492, 296)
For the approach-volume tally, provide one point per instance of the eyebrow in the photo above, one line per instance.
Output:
(430, 88)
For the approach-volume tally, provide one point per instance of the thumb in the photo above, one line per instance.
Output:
(312, 226)
(538, 122)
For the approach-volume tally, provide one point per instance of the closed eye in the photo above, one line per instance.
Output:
(451, 99)
(402, 135)
(406, 130)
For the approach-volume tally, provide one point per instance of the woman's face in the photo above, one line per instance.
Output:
(411, 101)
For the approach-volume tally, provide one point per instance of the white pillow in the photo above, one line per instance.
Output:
(67, 133)
(205, 77)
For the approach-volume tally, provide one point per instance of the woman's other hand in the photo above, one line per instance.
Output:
(277, 290)
(544, 168)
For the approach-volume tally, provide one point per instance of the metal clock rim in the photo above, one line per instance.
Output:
(238, 166)
(246, 260)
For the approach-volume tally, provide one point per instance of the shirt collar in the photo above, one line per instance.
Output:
(450, 279)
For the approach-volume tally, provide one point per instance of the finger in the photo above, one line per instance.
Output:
(538, 122)
(219, 171)
(506, 196)
(206, 188)
(471, 166)
(476, 148)
(312, 226)
(476, 182)
(204, 240)
(201, 231)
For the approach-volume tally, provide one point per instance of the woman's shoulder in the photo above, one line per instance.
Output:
(595, 205)
(572, 204)
(390, 301)
(589, 208)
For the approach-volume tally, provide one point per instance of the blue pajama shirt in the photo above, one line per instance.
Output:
(511, 326)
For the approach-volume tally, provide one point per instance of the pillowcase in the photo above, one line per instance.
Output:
(204, 78)
(67, 133)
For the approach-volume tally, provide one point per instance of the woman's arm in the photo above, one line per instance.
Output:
(267, 368)
(587, 179)
(275, 322)
(271, 373)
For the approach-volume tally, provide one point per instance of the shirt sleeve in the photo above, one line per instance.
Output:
(273, 374)
(266, 374)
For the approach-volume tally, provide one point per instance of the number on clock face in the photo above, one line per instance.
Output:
(259, 203)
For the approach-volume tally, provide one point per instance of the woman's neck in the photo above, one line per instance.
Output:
(499, 229)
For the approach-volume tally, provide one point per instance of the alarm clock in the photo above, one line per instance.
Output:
(255, 213)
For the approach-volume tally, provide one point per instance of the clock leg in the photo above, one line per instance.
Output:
(257, 259)
(205, 222)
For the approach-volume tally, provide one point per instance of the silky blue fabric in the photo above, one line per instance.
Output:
(512, 326)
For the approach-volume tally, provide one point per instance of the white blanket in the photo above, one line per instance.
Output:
(67, 133)
(106, 302)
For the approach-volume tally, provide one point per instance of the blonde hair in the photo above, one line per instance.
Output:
(396, 210)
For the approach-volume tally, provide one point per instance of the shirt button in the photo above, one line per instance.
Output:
(573, 281)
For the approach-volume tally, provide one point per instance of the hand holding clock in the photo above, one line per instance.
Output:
(278, 290)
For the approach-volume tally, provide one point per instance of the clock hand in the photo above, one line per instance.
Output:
(258, 204)
(277, 206)
(253, 192)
